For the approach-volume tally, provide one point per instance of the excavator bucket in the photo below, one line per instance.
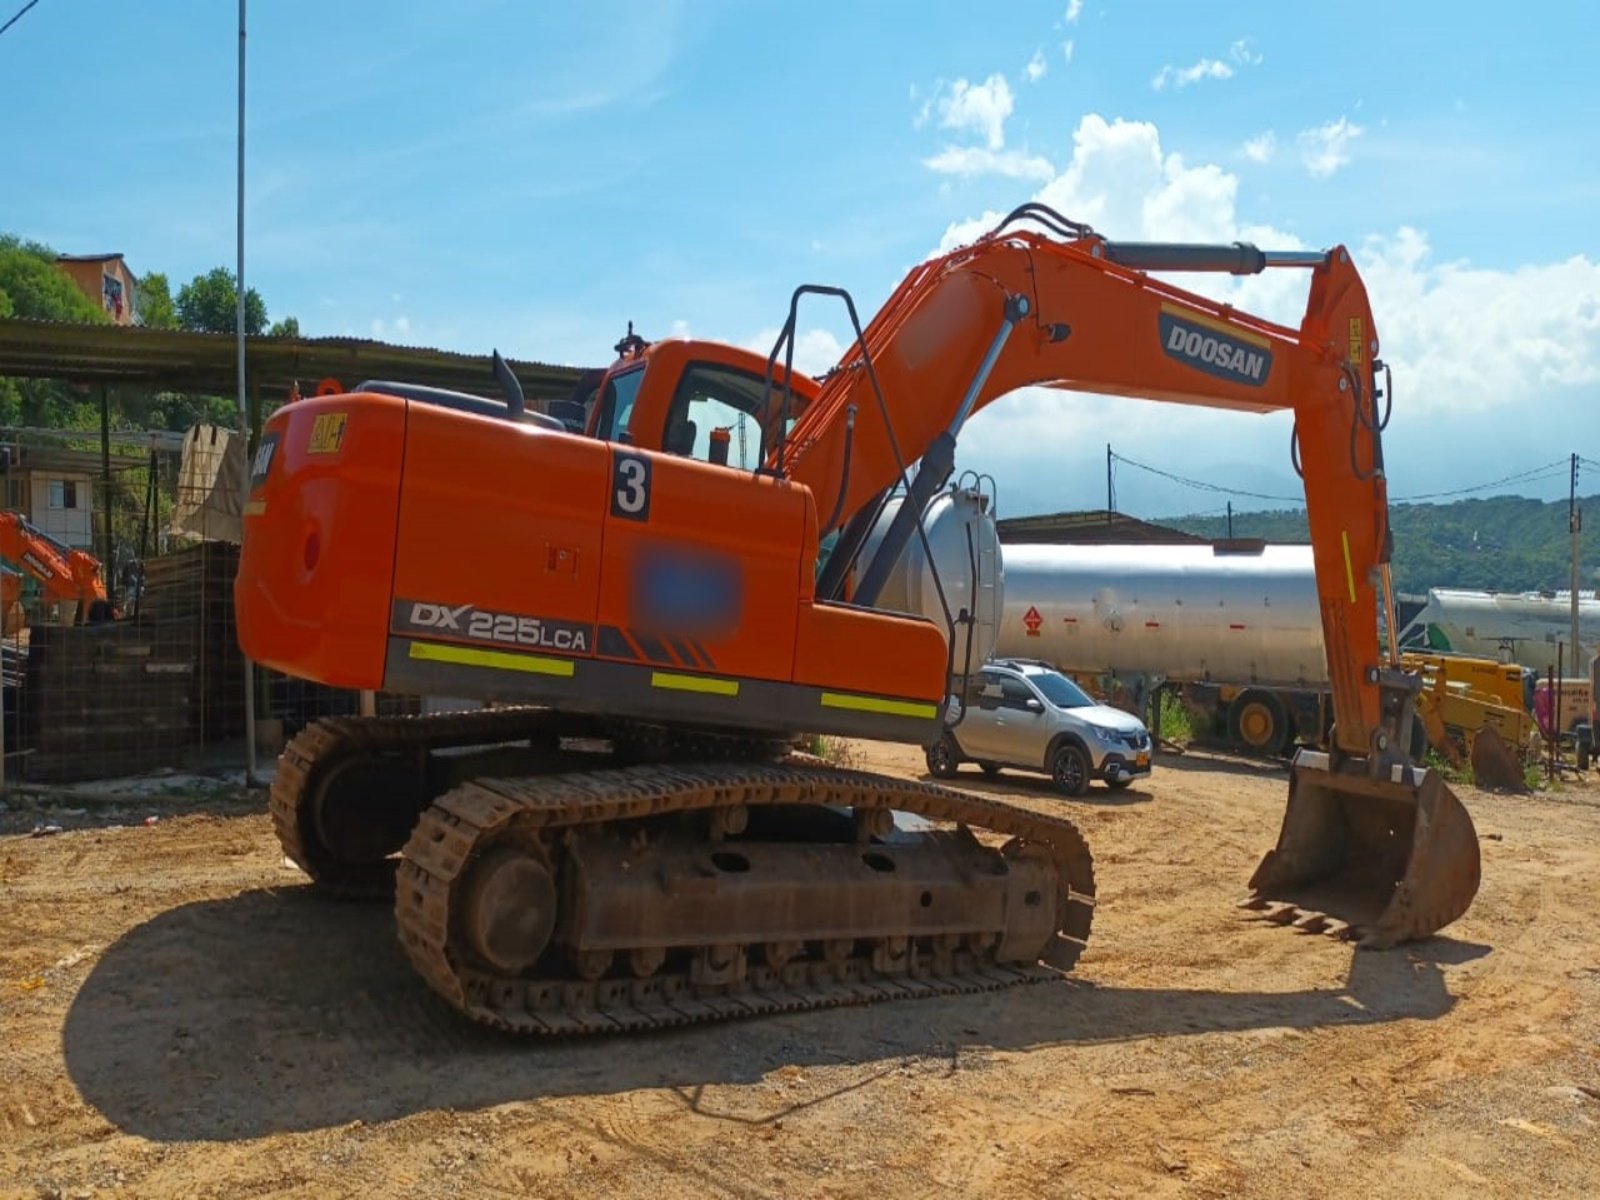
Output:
(1378, 860)
(1495, 766)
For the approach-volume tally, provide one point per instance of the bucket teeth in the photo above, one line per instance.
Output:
(1381, 860)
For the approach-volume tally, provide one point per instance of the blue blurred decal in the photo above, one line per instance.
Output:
(686, 591)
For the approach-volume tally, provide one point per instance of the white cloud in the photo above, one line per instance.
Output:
(815, 350)
(1206, 68)
(1260, 148)
(680, 329)
(1433, 319)
(401, 324)
(1066, 49)
(977, 160)
(1327, 148)
(981, 108)
(1074, 11)
(1543, 320)
(1036, 67)
(1244, 54)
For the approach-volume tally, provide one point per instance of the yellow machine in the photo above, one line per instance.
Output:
(1462, 695)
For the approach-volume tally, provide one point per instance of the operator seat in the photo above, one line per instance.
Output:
(680, 437)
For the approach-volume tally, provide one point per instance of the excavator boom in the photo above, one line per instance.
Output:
(1369, 843)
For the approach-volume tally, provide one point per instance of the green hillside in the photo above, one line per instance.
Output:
(1506, 543)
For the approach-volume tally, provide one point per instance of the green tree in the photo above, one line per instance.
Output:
(156, 309)
(289, 327)
(209, 304)
(37, 290)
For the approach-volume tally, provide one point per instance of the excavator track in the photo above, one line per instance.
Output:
(312, 757)
(387, 803)
(544, 818)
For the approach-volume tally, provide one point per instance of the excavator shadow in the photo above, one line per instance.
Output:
(278, 1011)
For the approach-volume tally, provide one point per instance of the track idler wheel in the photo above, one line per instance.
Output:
(1381, 860)
(509, 909)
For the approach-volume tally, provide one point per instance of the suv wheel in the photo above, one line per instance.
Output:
(1070, 770)
(944, 759)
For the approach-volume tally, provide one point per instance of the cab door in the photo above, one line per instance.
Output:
(1019, 723)
(978, 731)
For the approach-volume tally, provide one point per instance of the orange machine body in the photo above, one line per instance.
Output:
(63, 573)
(397, 545)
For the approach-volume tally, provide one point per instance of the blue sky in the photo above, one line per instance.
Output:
(533, 176)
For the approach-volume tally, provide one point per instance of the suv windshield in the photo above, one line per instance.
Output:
(1060, 690)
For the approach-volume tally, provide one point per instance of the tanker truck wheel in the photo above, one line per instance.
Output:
(1257, 722)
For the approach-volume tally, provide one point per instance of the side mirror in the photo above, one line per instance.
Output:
(1033, 705)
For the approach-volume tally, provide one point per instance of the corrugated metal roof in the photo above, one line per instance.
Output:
(178, 360)
(1090, 527)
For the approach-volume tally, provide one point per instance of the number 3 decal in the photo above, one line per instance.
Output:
(630, 487)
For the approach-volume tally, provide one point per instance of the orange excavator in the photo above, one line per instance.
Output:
(65, 574)
(661, 600)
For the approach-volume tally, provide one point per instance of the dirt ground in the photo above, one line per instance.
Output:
(180, 1016)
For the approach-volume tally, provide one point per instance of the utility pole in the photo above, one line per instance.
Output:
(1575, 526)
(1230, 520)
(244, 407)
(1111, 499)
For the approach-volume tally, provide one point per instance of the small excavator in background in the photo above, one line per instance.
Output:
(632, 842)
(65, 574)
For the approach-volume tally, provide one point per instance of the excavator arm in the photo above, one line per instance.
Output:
(63, 573)
(1367, 834)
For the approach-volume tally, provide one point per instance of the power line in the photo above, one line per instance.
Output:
(1531, 475)
(18, 17)
(1207, 487)
(1537, 474)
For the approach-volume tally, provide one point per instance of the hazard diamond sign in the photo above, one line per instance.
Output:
(1032, 620)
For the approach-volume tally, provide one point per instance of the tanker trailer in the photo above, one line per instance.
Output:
(1237, 634)
(1522, 627)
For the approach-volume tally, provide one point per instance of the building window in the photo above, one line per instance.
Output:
(63, 493)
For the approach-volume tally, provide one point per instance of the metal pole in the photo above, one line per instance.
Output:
(105, 489)
(1111, 503)
(1574, 525)
(244, 413)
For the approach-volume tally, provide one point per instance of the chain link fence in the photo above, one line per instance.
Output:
(119, 654)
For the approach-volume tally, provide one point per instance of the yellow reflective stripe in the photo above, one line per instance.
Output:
(1349, 574)
(694, 683)
(466, 656)
(1233, 331)
(898, 708)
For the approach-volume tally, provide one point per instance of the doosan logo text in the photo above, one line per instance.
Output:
(1214, 353)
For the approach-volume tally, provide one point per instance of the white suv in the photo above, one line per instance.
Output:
(1025, 714)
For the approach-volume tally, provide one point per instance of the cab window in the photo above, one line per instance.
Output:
(711, 398)
(616, 404)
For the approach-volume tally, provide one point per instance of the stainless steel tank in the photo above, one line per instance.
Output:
(1182, 613)
(1522, 627)
(960, 524)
